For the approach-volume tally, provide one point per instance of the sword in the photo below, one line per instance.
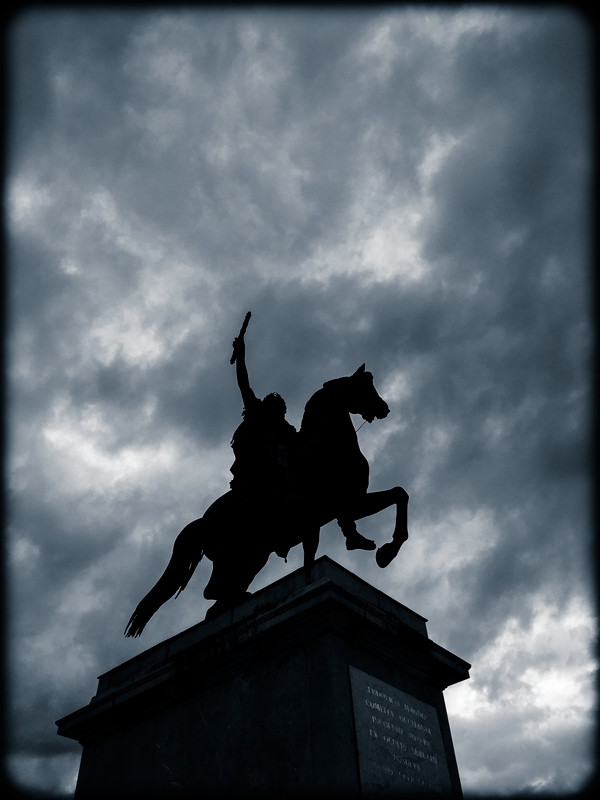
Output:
(241, 335)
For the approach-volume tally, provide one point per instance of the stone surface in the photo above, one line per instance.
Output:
(268, 699)
(400, 746)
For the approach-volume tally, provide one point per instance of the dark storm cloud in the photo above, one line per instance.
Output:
(406, 189)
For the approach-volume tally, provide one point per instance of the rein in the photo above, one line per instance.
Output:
(359, 427)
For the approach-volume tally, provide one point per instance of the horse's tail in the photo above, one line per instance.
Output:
(187, 554)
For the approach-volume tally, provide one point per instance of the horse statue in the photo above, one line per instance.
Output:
(329, 481)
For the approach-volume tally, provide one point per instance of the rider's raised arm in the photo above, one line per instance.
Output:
(239, 349)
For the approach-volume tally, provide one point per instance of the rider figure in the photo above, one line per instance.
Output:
(265, 446)
(263, 443)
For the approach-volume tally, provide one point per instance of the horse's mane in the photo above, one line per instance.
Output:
(324, 414)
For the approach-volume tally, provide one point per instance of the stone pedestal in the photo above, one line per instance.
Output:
(317, 685)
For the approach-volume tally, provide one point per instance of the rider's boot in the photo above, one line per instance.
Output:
(354, 539)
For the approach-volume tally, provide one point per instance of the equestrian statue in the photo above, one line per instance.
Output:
(286, 485)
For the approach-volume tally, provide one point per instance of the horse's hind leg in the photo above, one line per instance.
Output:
(310, 543)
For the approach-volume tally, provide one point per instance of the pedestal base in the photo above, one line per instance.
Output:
(318, 684)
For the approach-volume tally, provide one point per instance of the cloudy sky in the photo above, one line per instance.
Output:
(403, 187)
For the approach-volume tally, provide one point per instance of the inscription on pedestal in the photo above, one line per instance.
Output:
(400, 749)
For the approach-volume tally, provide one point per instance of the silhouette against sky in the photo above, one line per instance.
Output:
(406, 188)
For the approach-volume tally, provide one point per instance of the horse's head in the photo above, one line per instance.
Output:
(363, 397)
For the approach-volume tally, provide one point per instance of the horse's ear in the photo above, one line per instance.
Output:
(360, 370)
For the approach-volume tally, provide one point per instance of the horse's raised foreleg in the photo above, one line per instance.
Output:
(373, 503)
(354, 539)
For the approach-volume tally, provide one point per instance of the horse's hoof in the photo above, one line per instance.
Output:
(356, 541)
(387, 553)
